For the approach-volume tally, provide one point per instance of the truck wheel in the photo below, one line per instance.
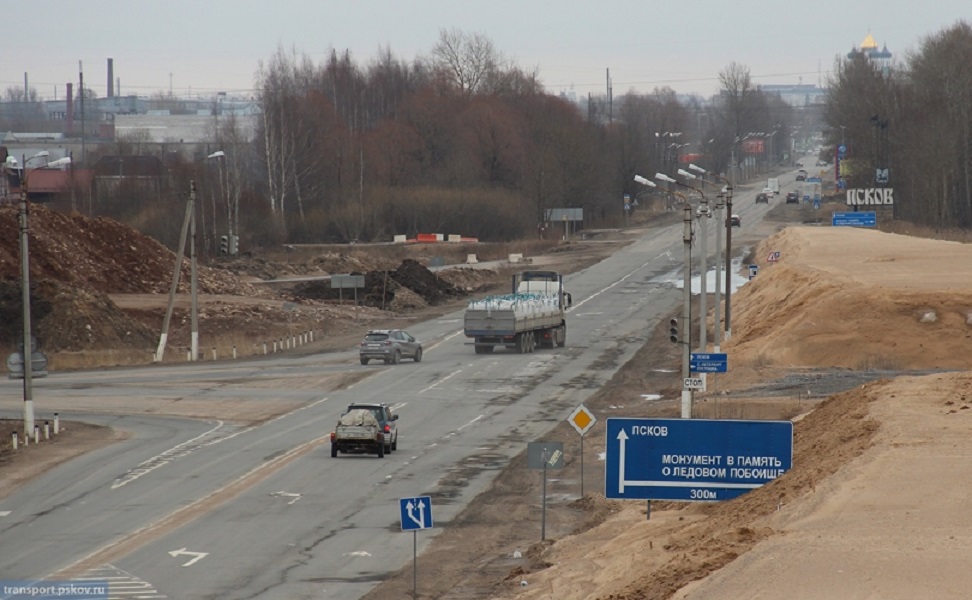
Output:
(532, 341)
(364, 360)
(562, 337)
(480, 349)
(396, 357)
(520, 344)
(381, 451)
(333, 450)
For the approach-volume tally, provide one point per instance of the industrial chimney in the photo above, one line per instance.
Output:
(111, 78)
(69, 110)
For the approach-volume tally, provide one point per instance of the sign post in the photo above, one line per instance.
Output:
(544, 455)
(581, 420)
(416, 513)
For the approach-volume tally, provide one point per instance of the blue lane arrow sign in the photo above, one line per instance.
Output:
(695, 460)
(416, 513)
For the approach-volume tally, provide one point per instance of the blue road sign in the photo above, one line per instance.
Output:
(708, 363)
(416, 513)
(753, 269)
(694, 460)
(854, 219)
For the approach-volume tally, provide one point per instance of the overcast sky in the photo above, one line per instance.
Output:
(201, 47)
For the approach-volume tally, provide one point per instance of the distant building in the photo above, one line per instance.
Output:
(797, 95)
(881, 59)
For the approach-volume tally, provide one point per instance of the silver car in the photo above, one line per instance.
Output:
(390, 346)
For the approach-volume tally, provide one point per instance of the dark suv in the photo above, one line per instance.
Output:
(792, 198)
(761, 197)
(389, 345)
(386, 421)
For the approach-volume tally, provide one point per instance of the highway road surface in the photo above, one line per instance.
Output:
(191, 509)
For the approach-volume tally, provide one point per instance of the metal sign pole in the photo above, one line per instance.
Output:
(582, 465)
(414, 563)
(543, 501)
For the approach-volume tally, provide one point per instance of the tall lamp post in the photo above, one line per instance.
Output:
(724, 194)
(28, 349)
(704, 215)
(686, 337)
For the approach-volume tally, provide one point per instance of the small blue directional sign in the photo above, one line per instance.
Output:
(693, 460)
(708, 363)
(753, 269)
(416, 513)
(854, 219)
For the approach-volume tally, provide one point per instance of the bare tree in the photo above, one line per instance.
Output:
(465, 60)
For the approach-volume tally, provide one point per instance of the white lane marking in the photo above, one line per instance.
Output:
(618, 282)
(160, 459)
(184, 449)
(185, 514)
(470, 422)
(444, 379)
(121, 584)
(4, 513)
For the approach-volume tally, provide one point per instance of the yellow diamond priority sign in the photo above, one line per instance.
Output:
(581, 419)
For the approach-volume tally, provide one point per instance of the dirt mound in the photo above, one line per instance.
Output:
(410, 286)
(102, 255)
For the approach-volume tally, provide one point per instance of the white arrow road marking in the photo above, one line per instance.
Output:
(420, 521)
(293, 495)
(196, 556)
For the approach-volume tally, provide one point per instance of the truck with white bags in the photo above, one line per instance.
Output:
(533, 315)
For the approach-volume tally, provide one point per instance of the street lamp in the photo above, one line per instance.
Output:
(704, 215)
(727, 190)
(686, 337)
(28, 349)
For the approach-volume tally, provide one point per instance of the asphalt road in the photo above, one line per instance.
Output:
(189, 509)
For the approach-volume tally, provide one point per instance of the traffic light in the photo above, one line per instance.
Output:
(673, 330)
(224, 244)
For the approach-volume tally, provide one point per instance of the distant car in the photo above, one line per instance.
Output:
(821, 163)
(390, 346)
(735, 221)
(762, 197)
(799, 164)
(386, 421)
(792, 198)
(801, 175)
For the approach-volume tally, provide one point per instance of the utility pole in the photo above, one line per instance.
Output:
(720, 215)
(687, 308)
(732, 181)
(194, 343)
(703, 309)
(28, 349)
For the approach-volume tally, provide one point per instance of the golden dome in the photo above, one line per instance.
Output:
(869, 43)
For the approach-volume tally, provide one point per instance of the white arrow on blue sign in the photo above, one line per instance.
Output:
(416, 513)
(694, 460)
(716, 362)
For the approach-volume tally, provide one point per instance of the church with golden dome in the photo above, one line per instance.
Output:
(881, 59)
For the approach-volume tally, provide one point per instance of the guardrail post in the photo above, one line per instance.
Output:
(14, 441)
(214, 352)
(36, 434)
(57, 424)
(234, 351)
(47, 430)
(264, 348)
